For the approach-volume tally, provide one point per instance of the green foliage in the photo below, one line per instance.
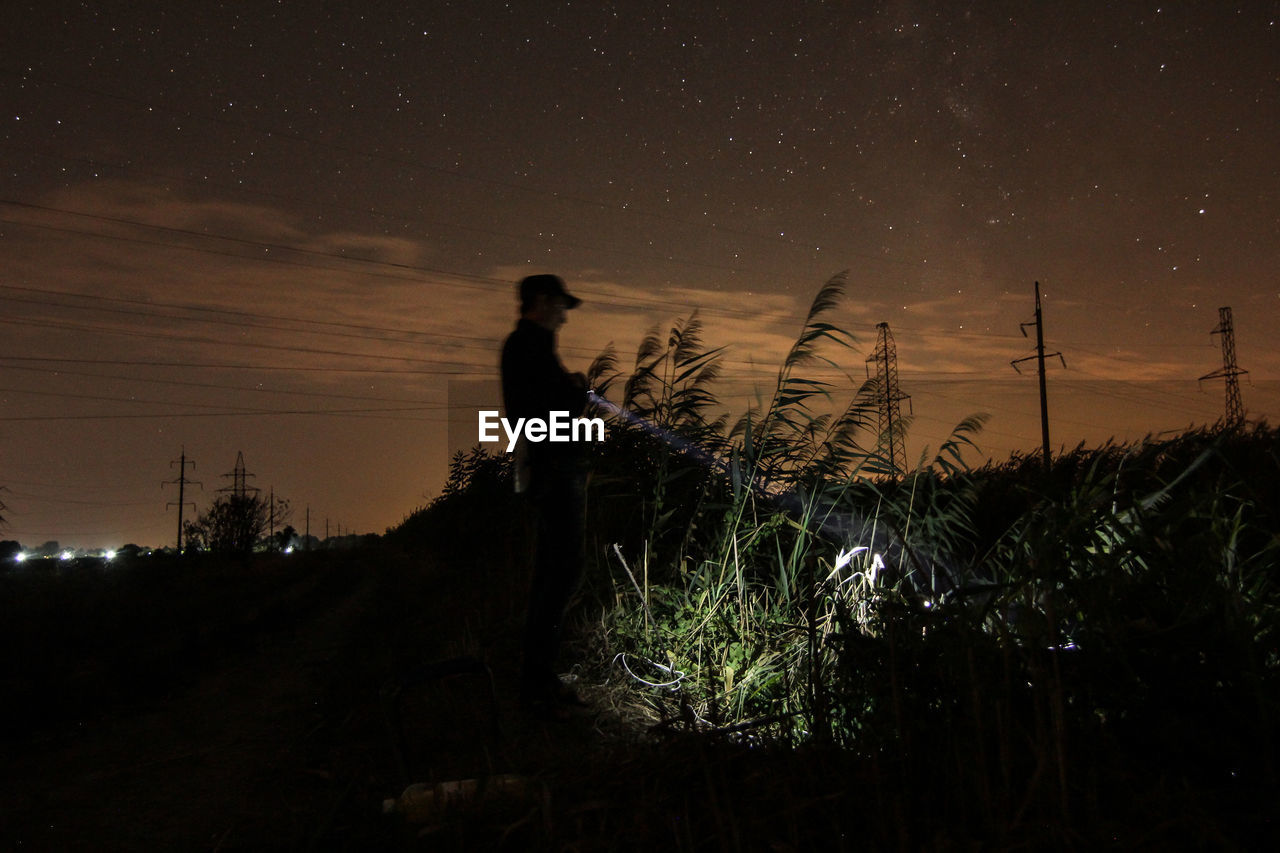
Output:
(670, 391)
(1127, 596)
(740, 599)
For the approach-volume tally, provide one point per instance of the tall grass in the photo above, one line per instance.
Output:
(1007, 648)
(1030, 637)
(743, 595)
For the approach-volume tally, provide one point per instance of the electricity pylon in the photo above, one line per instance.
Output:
(182, 481)
(239, 487)
(888, 396)
(1040, 356)
(1230, 371)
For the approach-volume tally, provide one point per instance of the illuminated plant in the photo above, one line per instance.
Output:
(736, 587)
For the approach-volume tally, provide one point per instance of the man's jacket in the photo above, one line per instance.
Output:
(535, 384)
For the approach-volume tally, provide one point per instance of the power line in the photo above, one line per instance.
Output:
(250, 320)
(240, 241)
(134, 401)
(246, 319)
(488, 369)
(632, 303)
(138, 525)
(230, 366)
(467, 280)
(1094, 388)
(987, 405)
(191, 339)
(218, 386)
(424, 405)
(18, 493)
(386, 413)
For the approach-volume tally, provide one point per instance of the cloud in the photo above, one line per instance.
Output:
(166, 209)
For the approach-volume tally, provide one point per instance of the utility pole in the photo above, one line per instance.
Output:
(892, 438)
(1040, 356)
(1234, 416)
(182, 461)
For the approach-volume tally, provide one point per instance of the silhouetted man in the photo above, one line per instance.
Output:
(552, 474)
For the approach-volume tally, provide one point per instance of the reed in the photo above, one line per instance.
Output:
(1005, 651)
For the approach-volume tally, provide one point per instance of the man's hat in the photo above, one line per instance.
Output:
(533, 286)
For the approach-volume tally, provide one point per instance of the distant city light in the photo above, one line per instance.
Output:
(67, 555)
(109, 555)
(21, 556)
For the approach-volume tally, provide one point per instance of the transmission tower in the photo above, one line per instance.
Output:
(239, 487)
(1230, 371)
(1040, 356)
(888, 396)
(182, 461)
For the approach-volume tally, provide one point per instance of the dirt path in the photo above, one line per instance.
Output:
(283, 743)
(209, 768)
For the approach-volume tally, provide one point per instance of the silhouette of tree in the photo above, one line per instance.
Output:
(285, 537)
(234, 524)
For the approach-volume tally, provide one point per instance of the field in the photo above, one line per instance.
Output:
(208, 703)
(787, 642)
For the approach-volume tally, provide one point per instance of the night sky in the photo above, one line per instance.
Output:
(282, 229)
